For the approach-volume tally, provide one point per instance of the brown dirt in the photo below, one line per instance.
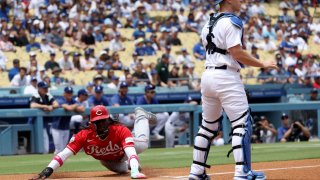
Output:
(299, 169)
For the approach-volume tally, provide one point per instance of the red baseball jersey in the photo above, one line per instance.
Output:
(111, 149)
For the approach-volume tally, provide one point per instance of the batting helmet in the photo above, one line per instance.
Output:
(98, 113)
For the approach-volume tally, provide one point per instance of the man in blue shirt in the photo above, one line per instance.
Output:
(149, 98)
(15, 70)
(284, 127)
(199, 51)
(98, 98)
(122, 99)
(61, 125)
(139, 32)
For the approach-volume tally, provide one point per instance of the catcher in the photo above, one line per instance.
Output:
(109, 142)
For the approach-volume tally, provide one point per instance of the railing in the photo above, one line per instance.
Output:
(277, 108)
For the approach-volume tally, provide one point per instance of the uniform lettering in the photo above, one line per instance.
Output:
(102, 151)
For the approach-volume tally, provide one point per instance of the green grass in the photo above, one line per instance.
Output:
(164, 158)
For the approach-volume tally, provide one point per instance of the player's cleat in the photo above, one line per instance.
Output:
(156, 137)
(252, 175)
(150, 116)
(138, 175)
(199, 177)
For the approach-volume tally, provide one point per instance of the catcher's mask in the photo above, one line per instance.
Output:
(100, 121)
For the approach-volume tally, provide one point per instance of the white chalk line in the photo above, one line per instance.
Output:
(223, 173)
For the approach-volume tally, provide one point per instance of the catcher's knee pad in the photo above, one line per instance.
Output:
(208, 130)
(241, 140)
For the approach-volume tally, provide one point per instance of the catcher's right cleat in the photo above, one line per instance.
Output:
(199, 177)
(252, 175)
(150, 116)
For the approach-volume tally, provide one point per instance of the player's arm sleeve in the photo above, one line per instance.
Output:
(232, 35)
(77, 142)
(59, 159)
(127, 139)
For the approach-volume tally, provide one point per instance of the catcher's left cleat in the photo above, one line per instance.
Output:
(252, 175)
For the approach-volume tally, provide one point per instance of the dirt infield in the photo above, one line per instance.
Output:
(299, 169)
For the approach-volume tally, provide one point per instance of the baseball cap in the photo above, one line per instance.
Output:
(262, 117)
(65, 52)
(123, 84)
(82, 92)
(98, 89)
(149, 87)
(99, 67)
(34, 78)
(76, 54)
(98, 76)
(52, 53)
(42, 84)
(115, 78)
(284, 116)
(32, 53)
(299, 61)
(87, 52)
(68, 89)
(184, 49)
(126, 69)
(314, 90)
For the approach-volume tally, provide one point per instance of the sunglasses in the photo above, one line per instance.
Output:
(152, 92)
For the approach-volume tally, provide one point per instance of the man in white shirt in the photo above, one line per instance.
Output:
(316, 38)
(184, 58)
(116, 44)
(298, 41)
(20, 79)
(291, 59)
(65, 63)
(87, 63)
(267, 45)
(32, 87)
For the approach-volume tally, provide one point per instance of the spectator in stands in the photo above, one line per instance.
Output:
(61, 125)
(21, 39)
(299, 70)
(163, 38)
(65, 63)
(184, 58)
(116, 44)
(298, 41)
(267, 45)
(316, 83)
(130, 80)
(32, 87)
(154, 78)
(163, 70)
(126, 71)
(20, 79)
(177, 124)
(134, 61)
(194, 78)
(76, 61)
(169, 53)
(98, 97)
(173, 39)
(155, 43)
(33, 45)
(173, 80)
(55, 38)
(88, 38)
(15, 69)
(269, 31)
(110, 74)
(265, 76)
(89, 88)
(46, 102)
(149, 98)
(184, 76)
(313, 95)
(291, 60)
(45, 47)
(122, 99)
(51, 63)
(5, 44)
(56, 79)
(75, 40)
(87, 63)
(139, 33)
(148, 49)
(116, 63)
(307, 82)
(139, 74)
(191, 24)
(292, 77)
(77, 120)
(114, 83)
(279, 74)
(97, 34)
(199, 51)
(316, 38)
